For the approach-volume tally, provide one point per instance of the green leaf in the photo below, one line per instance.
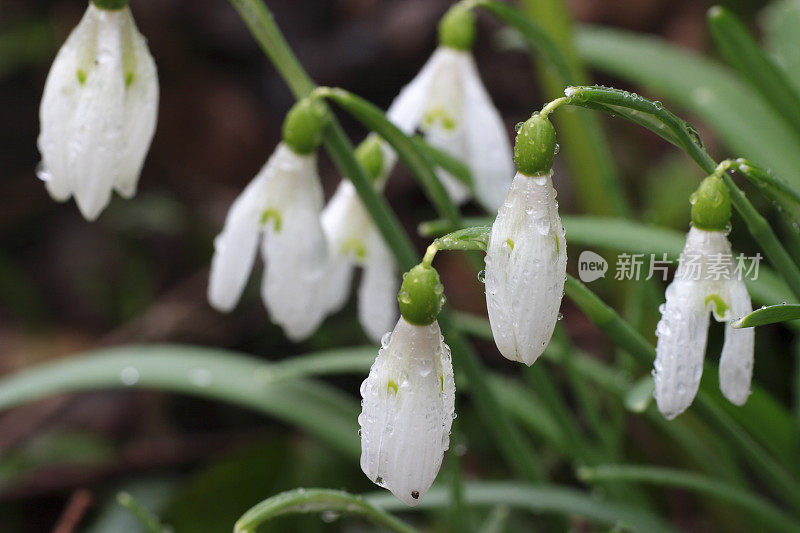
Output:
(473, 238)
(537, 499)
(742, 52)
(769, 315)
(780, 20)
(209, 373)
(317, 501)
(739, 116)
(767, 512)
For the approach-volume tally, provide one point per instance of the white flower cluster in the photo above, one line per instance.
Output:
(98, 111)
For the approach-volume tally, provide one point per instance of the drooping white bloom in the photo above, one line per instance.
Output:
(355, 240)
(281, 208)
(408, 408)
(98, 111)
(706, 280)
(448, 102)
(526, 263)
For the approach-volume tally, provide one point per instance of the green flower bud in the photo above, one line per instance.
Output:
(302, 127)
(110, 5)
(535, 146)
(711, 205)
(457, 28)
(370, 155)
(421, 295)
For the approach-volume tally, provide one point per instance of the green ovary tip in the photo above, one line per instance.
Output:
(720, 307)
(272, 215)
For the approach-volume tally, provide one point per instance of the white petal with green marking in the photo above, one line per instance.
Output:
(526, 263)
(407, 411)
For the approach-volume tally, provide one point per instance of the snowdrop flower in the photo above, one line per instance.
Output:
(705, 281)
(526, 258)
(448, 102)
(280, 208)
(355, 240)
(98, 111)
(409, 396)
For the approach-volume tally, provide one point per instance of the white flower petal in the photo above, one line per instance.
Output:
(525, 269)
(377, 293)
(295, 253)
(408, 406)
(141, 109)
(95, 129)
(98, 122)
(736, 362)
(235, 247)
(682, 333)
(454, 143)
(407, 109)
(488, 153)
(62, 90)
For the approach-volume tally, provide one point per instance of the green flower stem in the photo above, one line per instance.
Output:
(262, 25)
(546, 28)
(508, 438)
(657, 118)
(686, 480)
(759, 228)
(315, 501)
(410, 153)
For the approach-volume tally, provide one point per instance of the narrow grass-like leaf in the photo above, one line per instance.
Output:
(317, 501)
(769, 315)
(412, 156)
(779, 21)
(445, 161)
(742, 52)
(535, 35)
(739, 116)
(768, 513)
(536, 499)
(209, 373)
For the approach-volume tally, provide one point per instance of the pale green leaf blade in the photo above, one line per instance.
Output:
(769, 315)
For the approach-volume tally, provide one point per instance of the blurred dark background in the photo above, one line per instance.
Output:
(139, 273)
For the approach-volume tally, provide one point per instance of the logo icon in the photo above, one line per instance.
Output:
(591, 266)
